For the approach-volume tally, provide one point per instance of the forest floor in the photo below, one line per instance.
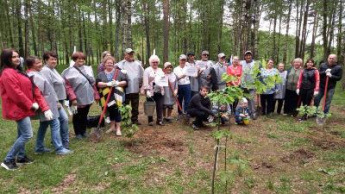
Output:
(275, 154)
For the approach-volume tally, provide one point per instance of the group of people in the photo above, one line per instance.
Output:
(41, 92)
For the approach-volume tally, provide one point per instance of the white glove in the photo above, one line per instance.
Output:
(112, 83)
(35, 106)
(297, 91)
(277, 91)
(210, 119)
(329, 74)
(328, 70)
(148, 94)
(242, 115)
(48, 114)
(316, 93)
(74, 109)
(66, 103)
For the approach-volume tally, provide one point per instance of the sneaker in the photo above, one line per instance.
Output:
(118, 133)
(79, 136)
(64, 151)
(195, 127)
(85, 135)
(151, 123)
(9, 165)
(24, 160)
(160, 123)
(42, 151)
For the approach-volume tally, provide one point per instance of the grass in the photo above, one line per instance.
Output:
(255, 160)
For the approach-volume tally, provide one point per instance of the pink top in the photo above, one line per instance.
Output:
(236, 72)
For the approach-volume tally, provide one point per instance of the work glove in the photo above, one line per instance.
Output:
(113, 83)
(277, 91)
(48, 114)
(329, 74)
(328, 70)
(297, 91)
(35, 106)
(74, 109)
(66, 103)
(148, 94)
(210, 119)
(316, 93)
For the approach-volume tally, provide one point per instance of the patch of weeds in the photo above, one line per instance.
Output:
(241, 165)
(335, 156)
(310, 176)
(191, 148)
(297, 142)
(249, 182)
(272, 135)
(136, 170)
(333, 187)
(286, 126)
(285, 185)
(270, 185)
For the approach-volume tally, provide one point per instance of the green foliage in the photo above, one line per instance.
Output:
(221, 133)
(312, 111)
(128, 128)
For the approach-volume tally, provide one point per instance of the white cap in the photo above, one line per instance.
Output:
(183, 56)
(167, 64)
(244, 100)
(221, 55)
(129, 50)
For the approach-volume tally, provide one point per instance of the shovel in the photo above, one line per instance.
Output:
(95, 135)
(321, 119)
(185, 117)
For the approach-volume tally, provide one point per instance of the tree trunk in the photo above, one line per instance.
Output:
(117, 28)
(287, 33)
(304, 30)
(340, 32)
(146, 7)
(166, 30)
(19, 26)
(324, 28)
(315, 26)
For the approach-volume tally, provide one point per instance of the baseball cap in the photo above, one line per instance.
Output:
(167, 64)
(205, 52)
(221, 55)
(183, 56)
(248, 53)
(129, 50)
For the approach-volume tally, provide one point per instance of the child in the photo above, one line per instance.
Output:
(242, 113)
(170, 92)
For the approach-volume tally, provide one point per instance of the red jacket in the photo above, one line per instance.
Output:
(18, 96)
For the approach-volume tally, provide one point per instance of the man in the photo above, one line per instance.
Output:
(208, 75)
(194, 81)
(247, 81)
(135, 73)
(200, 108)
(333, 72)
(220, 68)
(184, 90)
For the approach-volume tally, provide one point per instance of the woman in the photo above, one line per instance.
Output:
(170, 92)
(58, 83)
(267, 97)
(281, 87)
(152, 89)
(112, 77)
(291, 97)
(235, 70)
(20, 100)
(81, 92)
(101, 66)
(308, 84)
(34, 66)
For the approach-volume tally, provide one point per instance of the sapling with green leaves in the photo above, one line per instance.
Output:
(128, 128)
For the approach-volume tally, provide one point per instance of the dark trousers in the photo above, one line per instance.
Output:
(267, 103)
(199, 115)
(329, 96)
(79, 120)
(306, 96)
(280, 105)
(159, 99)
(134, 100)
(291, 101)
(184, 95)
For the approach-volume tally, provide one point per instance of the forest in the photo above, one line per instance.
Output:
(277, 29)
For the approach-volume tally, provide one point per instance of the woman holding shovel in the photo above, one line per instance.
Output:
(112, 77)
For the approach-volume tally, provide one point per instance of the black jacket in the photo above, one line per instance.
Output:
(201, 103)
(336, 72)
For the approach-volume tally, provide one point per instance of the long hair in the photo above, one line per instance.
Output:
(6, 59)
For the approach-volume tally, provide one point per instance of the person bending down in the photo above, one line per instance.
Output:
(200, 107)
(242, 113)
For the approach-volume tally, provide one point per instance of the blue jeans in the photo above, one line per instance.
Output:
(329, 97)
(64, 132)
(184, 95)
(24, 134)
(55, 133)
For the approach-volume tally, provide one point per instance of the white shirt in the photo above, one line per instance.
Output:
(179, 71)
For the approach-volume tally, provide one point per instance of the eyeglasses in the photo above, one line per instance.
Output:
(154, 62)
(168, 67)
(205, 55)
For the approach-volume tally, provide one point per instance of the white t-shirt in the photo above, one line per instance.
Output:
(179, 71)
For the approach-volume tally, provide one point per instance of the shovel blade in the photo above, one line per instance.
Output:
(95, 135)
(320, 120)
